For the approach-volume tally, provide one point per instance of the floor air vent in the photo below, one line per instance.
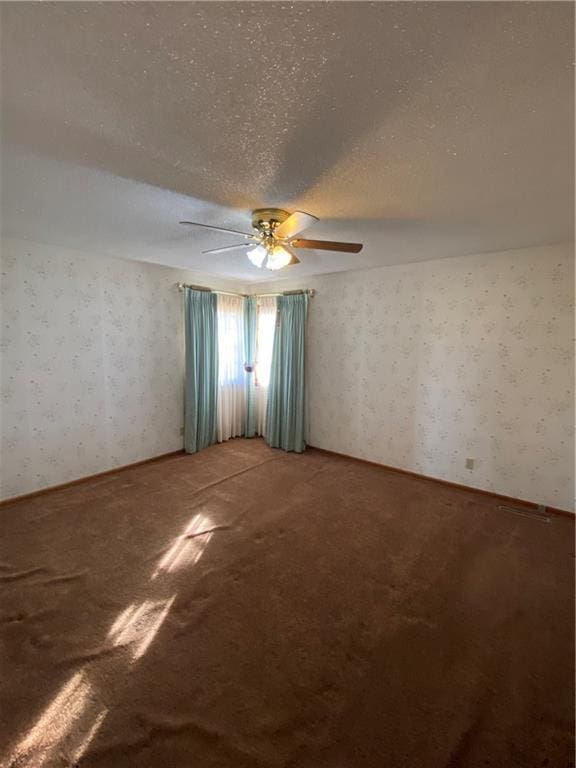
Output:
(536, 514)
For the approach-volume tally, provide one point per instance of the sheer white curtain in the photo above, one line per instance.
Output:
(265, 327)
(231, 378)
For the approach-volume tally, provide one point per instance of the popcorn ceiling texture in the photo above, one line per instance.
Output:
(423, 130)
(423, 366)
(92, 364)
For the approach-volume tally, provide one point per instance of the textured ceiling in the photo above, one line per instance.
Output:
(422, 129)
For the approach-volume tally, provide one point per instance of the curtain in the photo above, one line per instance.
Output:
(201, 386)
(231, 408)
(265, 329)
(250, 326)
(285, 413)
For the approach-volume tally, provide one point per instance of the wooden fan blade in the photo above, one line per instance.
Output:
(327, 245)
(294, 224)
(218, 229)
(229, 247)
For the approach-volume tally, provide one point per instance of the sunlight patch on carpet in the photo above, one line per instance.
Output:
(51, 735)
(188, 547)
(71, 721)
(139, 625)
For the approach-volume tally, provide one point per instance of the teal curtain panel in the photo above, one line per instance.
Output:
(286, 411)
(201, 386)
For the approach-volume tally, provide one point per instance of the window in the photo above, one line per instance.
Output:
(265, 327)
(232, 378)
(230, 341)
(231, 407)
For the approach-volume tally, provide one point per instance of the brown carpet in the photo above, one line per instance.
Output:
(245, 607)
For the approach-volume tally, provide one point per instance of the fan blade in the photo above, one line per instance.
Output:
(229, 247)
(295, 259)
(218, 229)
(294, 224)
(327, 245)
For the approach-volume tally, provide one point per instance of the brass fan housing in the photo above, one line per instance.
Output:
(266, 220)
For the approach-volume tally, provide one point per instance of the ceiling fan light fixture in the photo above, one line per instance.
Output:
(257, 256)
(275, 241)
(278, 258)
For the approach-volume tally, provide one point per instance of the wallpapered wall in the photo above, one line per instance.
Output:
(422, 366)
(417, 367)
(92, 364)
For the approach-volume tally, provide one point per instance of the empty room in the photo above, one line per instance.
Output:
(287, 384)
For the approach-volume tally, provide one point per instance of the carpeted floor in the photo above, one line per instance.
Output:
(244, 607)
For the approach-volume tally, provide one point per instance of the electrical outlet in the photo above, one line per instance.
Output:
(469, 463)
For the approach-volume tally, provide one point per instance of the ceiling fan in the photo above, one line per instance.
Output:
(275, 238)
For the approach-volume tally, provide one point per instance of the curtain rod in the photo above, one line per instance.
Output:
(310, 291)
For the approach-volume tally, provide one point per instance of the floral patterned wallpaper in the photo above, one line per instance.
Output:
(418, 366)
(92, 364)
(423, 366)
